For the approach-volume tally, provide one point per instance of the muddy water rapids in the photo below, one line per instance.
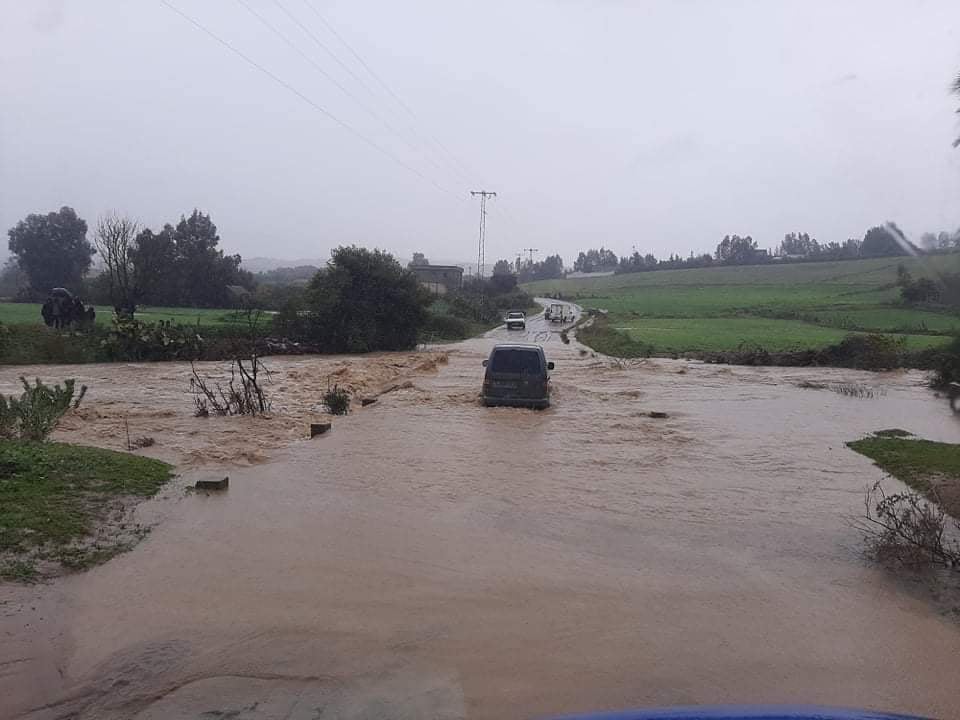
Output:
(433, 558)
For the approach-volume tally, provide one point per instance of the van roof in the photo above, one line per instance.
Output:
(517, 346)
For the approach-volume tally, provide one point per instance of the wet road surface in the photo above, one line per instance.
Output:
(433, 558)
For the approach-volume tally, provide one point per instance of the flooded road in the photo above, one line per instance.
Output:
(433, 558)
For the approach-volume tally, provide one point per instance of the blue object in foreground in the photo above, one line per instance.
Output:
(742, 712)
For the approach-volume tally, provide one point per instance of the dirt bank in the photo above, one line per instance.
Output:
(432, 558)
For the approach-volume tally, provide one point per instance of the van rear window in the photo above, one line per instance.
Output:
(514, 360)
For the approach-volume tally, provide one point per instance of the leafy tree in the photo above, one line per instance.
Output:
(365, 301)
(183, 265)
(550, 268)
(52, 250)
(154, 258)
(502, 267)
(799, 244)
(596, 260)
(736, 250)
(884, 241)
(928, 241)
(418, 259)
(203, 270)
(12, 279)
(923, 290)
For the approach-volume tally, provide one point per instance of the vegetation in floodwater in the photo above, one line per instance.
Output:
(337, 400)
(857, 390)
(59, 503)
(893, 433)
(931, 468)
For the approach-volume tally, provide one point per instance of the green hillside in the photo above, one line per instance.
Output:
(779, 307)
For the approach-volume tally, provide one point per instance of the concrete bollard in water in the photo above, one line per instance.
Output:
(657, 414)
(319, 429)
(220, 484)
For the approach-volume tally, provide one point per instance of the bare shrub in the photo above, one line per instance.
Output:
(37, 412)
(906, 528)
(243, 394)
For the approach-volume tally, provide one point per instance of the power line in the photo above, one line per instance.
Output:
(292, 45)
(466, 174)
(283, 83)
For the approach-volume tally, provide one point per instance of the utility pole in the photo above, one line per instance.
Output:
(531, 251)
(484, 194)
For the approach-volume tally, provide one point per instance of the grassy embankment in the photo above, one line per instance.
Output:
(777, 307)
(930, 468)
(62, 506)
(25, 340)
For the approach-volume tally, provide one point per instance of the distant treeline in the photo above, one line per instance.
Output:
(880, 241)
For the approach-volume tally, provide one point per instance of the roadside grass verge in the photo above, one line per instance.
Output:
(605, 339)
(931, 468)
(673, 335)
(64, 506)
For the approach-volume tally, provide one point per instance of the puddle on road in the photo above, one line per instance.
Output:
(431, 557)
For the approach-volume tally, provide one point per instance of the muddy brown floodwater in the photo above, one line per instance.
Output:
(433, 558)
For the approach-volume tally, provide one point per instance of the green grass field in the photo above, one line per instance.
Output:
(54, 497)
(778, 307)
(29, 313)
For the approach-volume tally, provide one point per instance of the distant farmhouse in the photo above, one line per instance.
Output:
(439, 279)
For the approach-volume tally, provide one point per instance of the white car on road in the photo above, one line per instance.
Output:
(516, 320)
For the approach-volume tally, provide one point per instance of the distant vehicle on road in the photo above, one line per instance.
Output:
(517, 374)
(516, 320)
(556, 313)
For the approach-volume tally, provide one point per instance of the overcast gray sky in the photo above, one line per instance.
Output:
(657, 124)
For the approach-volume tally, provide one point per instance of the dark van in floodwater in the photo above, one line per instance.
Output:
(517, 374)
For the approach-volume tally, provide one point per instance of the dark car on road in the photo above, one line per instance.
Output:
(517, 374)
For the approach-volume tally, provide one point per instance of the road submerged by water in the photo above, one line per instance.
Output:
(434, 558)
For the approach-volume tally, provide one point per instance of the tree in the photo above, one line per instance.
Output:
(154, 258)
(418, 259)
(52, 250)
(502, 267)
(203, 271)
(928, 241)
(736, 250)
(599, 260)
(365, 301)
(115, 239)
(550, 268)
(12, 279)
(799, 244)
(884, 241)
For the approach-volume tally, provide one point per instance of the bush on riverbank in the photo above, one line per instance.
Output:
(861, 351)
(37, 412)
(945, 365)
(908, 527)
(59, 504)
(609, 341)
